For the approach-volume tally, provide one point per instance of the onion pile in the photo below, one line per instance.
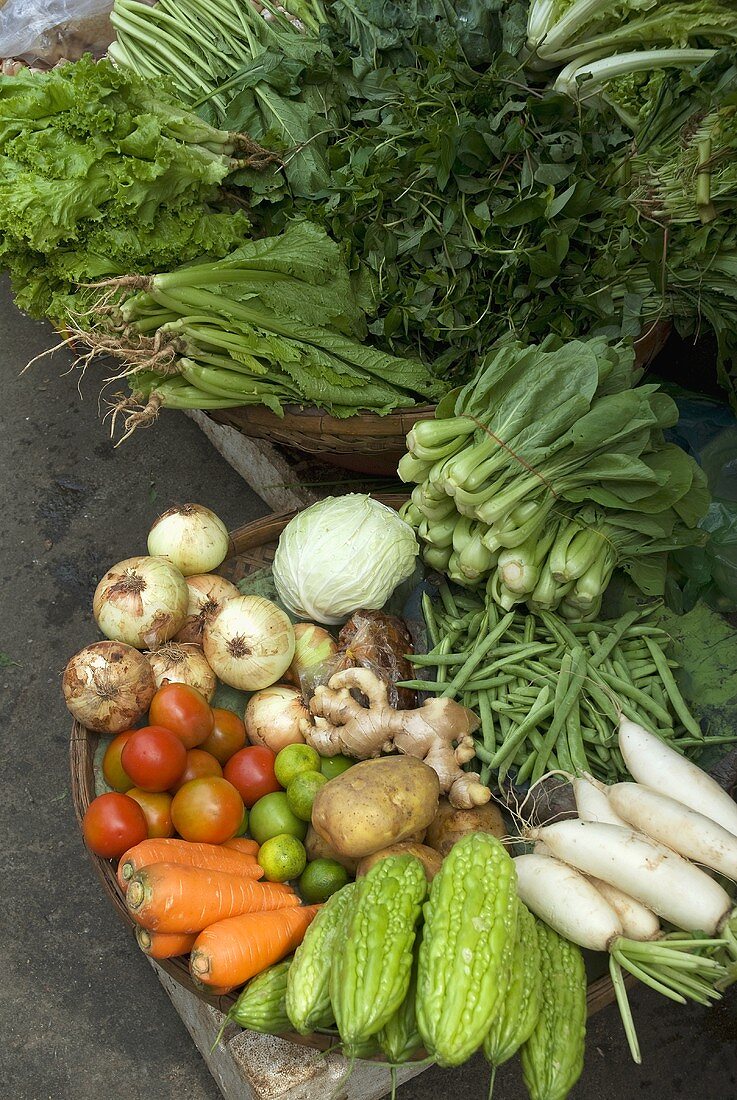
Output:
(273, 717)
(207, 594)
(249, 643)
(141, 601)
(183, 663)
(108, 686)
(191, 537)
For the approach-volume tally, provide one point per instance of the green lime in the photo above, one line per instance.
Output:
(292, 760)
(243, 827)
(320, 879)
(330, 766)
(301, 793)
(271, 816)
(282, 857)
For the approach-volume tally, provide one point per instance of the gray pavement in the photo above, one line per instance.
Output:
(81, 1014)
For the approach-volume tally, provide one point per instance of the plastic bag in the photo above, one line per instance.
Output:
(53, 30)
(707, 430)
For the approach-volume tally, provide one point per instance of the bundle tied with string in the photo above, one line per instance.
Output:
(546, 472)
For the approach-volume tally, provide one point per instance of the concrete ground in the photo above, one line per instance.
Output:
(81, 1013)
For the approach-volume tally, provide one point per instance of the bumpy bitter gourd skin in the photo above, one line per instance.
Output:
(552, 1058)
(521, 1005)
(400, 1038)
(371, 971)
(466, 950)
(261, 1005)
(308, 986)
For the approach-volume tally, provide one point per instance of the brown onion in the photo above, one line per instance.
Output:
(191, 537)
(313, 646)
(207, 594)
(183, 663)
(141, 601)
(249, 643)
(273, 717)
(108, 686)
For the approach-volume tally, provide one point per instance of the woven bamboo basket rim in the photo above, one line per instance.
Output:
(252, 547)
(313, 431)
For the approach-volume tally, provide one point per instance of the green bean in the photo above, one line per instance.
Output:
(613, 638)
(525, 771)
(474, 660)
(448, 602)
(427, 660)
(577, 673)
(560, 630)
(421, 685)
(576, 749)
(602, 752)
(540, 710)
(488, 682)
(671, 687)
(488, 730)
(637, 696)
(483, 754)
(430, 621)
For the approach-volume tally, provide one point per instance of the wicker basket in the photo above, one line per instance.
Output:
(252, 547)
(367, 443)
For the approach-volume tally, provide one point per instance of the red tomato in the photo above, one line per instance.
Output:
(112, 824)
(199, 764)
(228, 735)
(154, 758)
(156, 808)
(251, 771)
(112, 769)
(183, 710)
(208, 809)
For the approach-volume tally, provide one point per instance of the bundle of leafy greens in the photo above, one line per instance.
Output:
(547, 471)
(102, 172)
(278, 320)
(560, 31)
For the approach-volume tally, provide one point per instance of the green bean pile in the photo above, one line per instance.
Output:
(549, 692)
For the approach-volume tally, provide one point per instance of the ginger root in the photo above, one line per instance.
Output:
(439, 732)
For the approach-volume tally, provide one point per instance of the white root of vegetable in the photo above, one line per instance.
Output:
(656, 765)
(592, 802)
(584, 916)
(638, 922)
(686, 831)
(572, 905)
(656, 876)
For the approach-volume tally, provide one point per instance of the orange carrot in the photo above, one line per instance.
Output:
(210, 856)
(231, 951)
(171, 897)
(242, 844)
(164, 945)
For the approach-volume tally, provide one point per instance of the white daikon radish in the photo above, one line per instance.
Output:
(592, 802)
(656, 876)
(567, 901)
(684, 830)
(638, 922)
(656, 765)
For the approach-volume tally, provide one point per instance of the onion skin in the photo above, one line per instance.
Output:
(141, 601)
(249, 643)
(207, 594)
(108, 686)
(183, 663)
(191, 537)
(273, 717)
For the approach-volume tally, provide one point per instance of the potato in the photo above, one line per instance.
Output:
(317, 848)
(376, 803)
(430, 858)
(450, 824)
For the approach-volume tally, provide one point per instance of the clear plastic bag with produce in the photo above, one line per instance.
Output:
(48, 31)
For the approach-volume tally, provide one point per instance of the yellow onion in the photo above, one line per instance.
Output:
(313, 646)
(207, 594)
(191, 537)
(108, 686)
(273, 717)
(141, 601)
(183, 663)
(249, 643)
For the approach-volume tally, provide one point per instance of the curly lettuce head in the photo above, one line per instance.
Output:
(341, 554)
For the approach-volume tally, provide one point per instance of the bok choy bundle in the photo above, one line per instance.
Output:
(547, 471)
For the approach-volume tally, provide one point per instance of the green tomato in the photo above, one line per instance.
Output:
(271, 816)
